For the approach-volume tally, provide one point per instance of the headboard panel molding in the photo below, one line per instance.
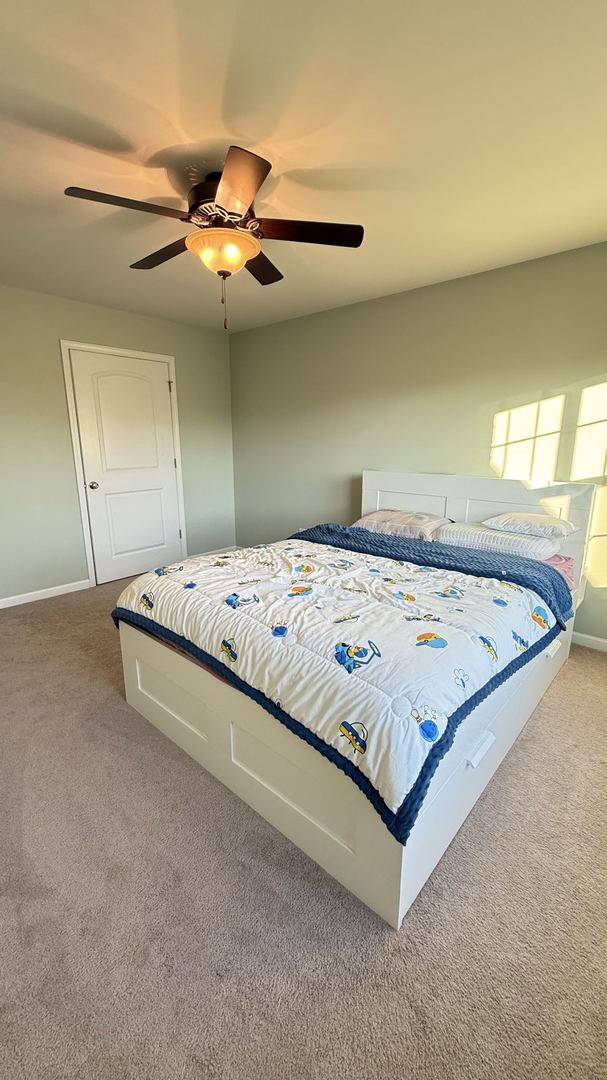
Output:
(474, 498)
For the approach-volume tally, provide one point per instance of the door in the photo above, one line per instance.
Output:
(123, 405)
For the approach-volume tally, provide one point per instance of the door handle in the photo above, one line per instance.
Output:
(94, 485)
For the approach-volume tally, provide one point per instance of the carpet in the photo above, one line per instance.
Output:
(153, 927)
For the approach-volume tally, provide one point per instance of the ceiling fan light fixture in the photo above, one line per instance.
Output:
(223, 250)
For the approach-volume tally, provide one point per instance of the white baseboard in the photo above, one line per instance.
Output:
(44, 594)
(590, 642)
(72, 586)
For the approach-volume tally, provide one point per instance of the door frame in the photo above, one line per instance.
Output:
(114, 350)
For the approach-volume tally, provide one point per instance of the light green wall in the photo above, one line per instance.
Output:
(410, 382)
(41, 542)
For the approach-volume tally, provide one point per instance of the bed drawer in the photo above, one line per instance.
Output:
(481, 743)
(488, 732)
(302, 794)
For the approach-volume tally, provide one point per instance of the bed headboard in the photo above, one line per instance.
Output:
(474, 498)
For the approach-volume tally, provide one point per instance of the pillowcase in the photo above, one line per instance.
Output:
(415, 525)
(532, 524)
(469, 534)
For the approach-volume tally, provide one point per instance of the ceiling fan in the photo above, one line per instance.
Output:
(229, 233)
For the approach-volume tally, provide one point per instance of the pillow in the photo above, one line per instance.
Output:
(415, 525)
(532, 525)
(469, 534)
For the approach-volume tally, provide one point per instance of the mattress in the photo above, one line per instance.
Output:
(373, 649)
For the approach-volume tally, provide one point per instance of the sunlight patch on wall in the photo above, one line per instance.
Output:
(590, 450)
(525, 442)
(590, 463)
(596, 559)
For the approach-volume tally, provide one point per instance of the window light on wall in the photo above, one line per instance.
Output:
(525, 443)
(590, 463)
(525, 446)
(590, 450)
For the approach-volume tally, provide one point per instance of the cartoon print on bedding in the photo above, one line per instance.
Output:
(356, 734)
(489, 645)
(300, 590)
(228, 648)
(540, 616)
(352, 657)
(450, 592)
(521, 642)
(235, 600)
(426, 723)
(282, 637)
(435, 641)
(461, 677)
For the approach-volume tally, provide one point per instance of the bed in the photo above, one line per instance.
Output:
(246, 708)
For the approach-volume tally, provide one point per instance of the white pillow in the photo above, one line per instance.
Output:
(532, 524)
(413, 524)
(471, 535)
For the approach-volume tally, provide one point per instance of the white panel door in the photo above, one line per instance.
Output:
(126, 435)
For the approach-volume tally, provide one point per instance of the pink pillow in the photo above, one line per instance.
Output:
(413, 524)
(564, 564)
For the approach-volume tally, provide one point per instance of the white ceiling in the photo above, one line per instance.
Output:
(463, 135)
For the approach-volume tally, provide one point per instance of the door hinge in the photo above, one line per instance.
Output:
(180, 537)
(170, 386)
(175, 462)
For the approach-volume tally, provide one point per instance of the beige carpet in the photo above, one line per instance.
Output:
(154, 928)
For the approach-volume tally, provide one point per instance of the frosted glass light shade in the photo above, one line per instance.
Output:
(223, 250)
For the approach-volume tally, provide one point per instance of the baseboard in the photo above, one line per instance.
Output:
(44, 594)
(590, 642)
(72, 586)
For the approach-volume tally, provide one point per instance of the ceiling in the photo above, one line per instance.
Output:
(463, 136)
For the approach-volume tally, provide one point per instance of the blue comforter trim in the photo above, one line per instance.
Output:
(525, 572)
(531, 574)
(157, 630)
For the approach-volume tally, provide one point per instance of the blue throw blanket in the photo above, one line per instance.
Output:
(537, 576)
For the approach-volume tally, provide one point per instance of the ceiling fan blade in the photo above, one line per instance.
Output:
(242, 176)
(263, 270)
(312, 232)
(161, 256)
(130, 204)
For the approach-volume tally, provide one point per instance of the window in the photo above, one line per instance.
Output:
(525, 441)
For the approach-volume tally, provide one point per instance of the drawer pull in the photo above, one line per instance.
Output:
(552, 648)
(476, 756)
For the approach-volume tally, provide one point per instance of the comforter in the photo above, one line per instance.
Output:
(373, 649)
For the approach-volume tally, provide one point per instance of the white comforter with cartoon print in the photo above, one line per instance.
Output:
(371, 655)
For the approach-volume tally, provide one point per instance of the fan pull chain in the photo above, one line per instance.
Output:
(224, 299)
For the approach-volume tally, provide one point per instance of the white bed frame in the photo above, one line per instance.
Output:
(296, 789)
